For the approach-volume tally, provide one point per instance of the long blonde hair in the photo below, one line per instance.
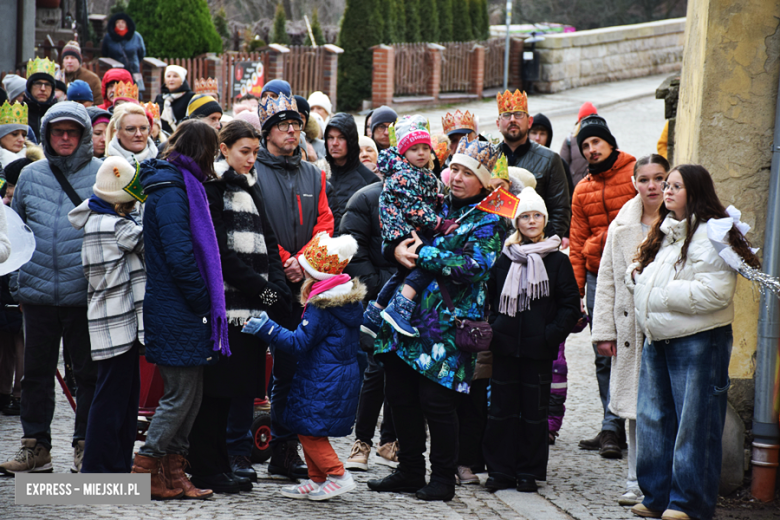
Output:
(119, 113)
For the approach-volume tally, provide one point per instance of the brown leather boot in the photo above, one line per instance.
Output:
(173, 473)
(144, 464)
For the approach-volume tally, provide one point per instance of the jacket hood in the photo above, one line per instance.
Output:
(122, 75)
(157, 174)
(345, 124)
(543, 121)
(280, 162)
(79, 215)
(112, 27)
(339, 306)
(83, 153)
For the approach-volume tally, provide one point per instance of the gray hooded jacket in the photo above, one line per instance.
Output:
(54, 275)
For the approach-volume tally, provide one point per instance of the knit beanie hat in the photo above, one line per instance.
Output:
(383, 114)
(181, 71)
(79, 90)
(364, 141)
(278, 87)
(202, 105)
(14, 86)
(114, 181)
(595, 126)
(303, 106)
(13, 117)
(72, 48)
(478, 156)
(326, 257)
(250, 117)
(530, 201)
(97, 115)
(275, 111)
(523, 176)
(587, 109)
(319, 99)
(409, 131)
(13, 169)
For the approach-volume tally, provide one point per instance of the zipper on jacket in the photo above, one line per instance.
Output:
(300, 208)
(606, 210)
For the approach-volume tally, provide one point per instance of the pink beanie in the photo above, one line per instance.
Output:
(412, 130)
(250, 116)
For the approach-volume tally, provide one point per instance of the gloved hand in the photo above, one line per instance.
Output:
(447, 226)
(254, 325)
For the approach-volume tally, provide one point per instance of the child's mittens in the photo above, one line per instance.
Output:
(254, 325)
(447, 226)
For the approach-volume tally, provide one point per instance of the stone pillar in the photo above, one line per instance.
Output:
(276, 56)
(330, 71)
(433, 82)
(104, 64)
(383, 75)
(477, 71)
(515, 79)
(152, 70)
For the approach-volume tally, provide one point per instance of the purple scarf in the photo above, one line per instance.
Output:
(205, 247)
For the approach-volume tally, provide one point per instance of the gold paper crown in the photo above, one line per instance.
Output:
(15, 114)
(441, 146)
(206, 86)
(272, 106)
(501, 169)
(319, 259)
(481, 151)
(509, 102)
(459, 121)
(153, 109)
(126, 90)
(43, 66)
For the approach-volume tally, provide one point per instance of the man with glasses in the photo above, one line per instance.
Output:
(514, 123)
(381, 119)
(596, 202)
(51, 288)
(293, 191)
(39, 95)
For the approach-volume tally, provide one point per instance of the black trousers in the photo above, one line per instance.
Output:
(416, 399)
(44, 327)
(516, 437)
(208, 438)
(472, 416)
(372, 397)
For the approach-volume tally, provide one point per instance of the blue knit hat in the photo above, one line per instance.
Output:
(277, 86)
(79, 90)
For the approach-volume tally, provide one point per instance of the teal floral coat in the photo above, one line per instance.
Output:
(463, 260)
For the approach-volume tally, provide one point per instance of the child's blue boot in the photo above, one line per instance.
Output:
(372, 319)
(399, 313)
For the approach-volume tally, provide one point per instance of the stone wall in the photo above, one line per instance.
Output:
(572, 60)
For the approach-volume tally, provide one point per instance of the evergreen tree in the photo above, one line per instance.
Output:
(185, 29)
(412, 33)
(485, 20)
(400, 20)
(279, 33)
(316, 29)
(379, 18)
(119, 7)
(444, 8)
(221, 24)
(461, 24)
(356, 63)
(429, 21)
(144, 14)
(475, 17)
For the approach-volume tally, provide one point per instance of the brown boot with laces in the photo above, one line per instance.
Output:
(144, 464)
(174, 476)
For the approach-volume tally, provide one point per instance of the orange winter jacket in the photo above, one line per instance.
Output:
(596, 202)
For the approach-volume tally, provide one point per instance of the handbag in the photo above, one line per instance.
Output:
(471, 336)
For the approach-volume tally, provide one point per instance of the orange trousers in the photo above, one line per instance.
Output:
(321, 458)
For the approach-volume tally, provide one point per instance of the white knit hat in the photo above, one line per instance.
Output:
(367, 141)
(181, 71)
(522, 175)
(319, 99)
(113, 176)
(326, 257)
(530, 201)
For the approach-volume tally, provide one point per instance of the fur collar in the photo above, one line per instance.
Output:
(631, 213)
(322, 301)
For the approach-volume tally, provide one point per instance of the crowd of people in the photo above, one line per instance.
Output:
(364, 260)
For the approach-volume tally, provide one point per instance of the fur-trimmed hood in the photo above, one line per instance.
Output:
(334, 297)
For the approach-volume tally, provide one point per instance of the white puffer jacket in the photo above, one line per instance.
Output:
(674, 302)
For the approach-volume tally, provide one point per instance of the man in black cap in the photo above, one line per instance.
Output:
(381, 119)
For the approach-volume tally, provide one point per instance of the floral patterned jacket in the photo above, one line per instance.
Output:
(410, 198)
(463, 260)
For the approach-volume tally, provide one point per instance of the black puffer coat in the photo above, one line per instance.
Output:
(348, 179)
(179, 106)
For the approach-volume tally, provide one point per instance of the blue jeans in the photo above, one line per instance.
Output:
(681, 411)
(417, 278)
(611, 422)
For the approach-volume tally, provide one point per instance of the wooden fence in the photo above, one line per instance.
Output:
(303, 68)
(411, 68)
(494, 62)
(456, 66)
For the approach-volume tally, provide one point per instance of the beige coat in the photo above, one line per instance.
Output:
(614, 318)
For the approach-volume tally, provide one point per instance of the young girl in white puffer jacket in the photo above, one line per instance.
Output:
(683, 296)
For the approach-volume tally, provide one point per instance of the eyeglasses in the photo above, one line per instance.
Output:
(132, 130)
(507, 116)
(59, 132)
(41, 84)
(285, 125)
(383, 127)
(673, 187)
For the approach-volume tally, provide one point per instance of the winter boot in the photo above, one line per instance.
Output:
(285, 462)
(31, 458)
(398, 314)
(144, 464)
(372, 319)
(172, 469)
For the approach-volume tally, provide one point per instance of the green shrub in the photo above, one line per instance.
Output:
(316, 29)
(429, 21)
(356, 63)
(444, 8)
(279, 33)
(412, 33)
(178, 29)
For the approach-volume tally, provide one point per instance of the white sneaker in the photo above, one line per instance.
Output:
(631, 497)
(334, 487)
(300, 490)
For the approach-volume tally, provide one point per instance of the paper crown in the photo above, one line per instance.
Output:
(206, 86)
(459, 121)
(134, 188)
(15, 114)
(126, 90)
(41, 66)
(153, 109)
(326, 257)
(501, 169)
(483, 152)
(272, 106)
(509, 102)
(441, 147)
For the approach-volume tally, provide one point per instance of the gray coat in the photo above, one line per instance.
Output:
(54, 275)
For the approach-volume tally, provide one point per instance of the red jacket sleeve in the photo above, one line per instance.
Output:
(325, 220)
(284, 254)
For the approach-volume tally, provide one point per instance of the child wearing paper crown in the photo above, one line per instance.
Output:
(325, 389)
(113, 258)
(409, 202)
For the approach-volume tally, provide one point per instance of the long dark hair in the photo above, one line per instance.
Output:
(196, 140)
(702, 203)
(653, 158)
(235, 130)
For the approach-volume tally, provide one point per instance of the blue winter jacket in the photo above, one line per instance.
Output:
(128, 49)
(54, 275)
(324, 394)
(176, 306)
